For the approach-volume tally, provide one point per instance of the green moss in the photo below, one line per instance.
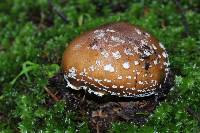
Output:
(33, 38)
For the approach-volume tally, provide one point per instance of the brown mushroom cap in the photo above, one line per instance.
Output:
(118, 59)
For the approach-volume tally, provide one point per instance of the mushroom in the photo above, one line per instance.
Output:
(117, 59)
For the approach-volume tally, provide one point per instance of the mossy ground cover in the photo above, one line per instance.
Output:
(33, 36)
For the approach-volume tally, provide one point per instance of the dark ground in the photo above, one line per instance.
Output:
(102, 111)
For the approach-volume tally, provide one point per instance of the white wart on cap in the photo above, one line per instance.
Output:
(117, 59)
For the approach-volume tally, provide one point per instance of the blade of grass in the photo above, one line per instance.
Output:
(26, 67)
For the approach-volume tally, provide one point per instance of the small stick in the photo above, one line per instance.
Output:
(1, 48)
(59, 13)
(51, 94)
(83, 99)
(183, 18)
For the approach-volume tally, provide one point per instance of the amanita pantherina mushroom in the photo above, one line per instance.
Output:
(117, 59)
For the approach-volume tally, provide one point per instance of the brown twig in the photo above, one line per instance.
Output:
(59, 13)
(183, 18)
(1, 48)
(97, 127)
(51, 94)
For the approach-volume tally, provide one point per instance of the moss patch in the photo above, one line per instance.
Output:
(33, 36)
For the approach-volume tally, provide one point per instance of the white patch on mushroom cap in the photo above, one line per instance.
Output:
(72, 73)
(89, 77)
(147, 34)
(95, 92)
(98, 62)
(147, 53)
(155, 61)
(136, 62)
(128, 51)
(140, 82)
(138, 31)
(99, 34)
(154, 47)
(105, 53)
(126, 65)
(109, 30)
(117, 39)
(109, 68)
(78, 46)
(97, 80)
(161, 45)
(92, 68)
(114, 86)
(119, 77)
(70, 85)
(138, 73)
(107, 80)
(143, 42)
(121, 86)
(95, 47)
(84, 73)
(164, 55)
(141, 59)
(116, 54)
(136, 49)
(165, 64)
(128, 77)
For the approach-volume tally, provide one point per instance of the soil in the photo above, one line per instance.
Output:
(102, 111)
